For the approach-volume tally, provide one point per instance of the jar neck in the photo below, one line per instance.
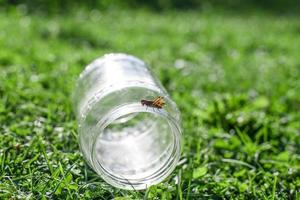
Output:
(91, 98)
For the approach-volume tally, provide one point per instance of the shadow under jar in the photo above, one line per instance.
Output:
(129, 145)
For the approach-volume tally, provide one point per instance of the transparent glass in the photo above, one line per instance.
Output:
(129, 145)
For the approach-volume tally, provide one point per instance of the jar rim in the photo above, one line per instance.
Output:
(156, 176)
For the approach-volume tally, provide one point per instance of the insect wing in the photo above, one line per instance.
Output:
(161, 102)
(157, 99)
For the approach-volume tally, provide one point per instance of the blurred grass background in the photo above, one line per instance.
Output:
(59, 6)
(232, 67)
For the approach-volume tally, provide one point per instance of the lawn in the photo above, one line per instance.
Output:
(234, 76)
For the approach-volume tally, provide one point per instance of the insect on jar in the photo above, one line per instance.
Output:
(129, 144)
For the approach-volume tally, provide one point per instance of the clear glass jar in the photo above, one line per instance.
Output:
(129, 145)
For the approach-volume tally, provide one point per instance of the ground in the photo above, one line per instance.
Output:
(234, 76)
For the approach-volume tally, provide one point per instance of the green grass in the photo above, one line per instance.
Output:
(235, 78)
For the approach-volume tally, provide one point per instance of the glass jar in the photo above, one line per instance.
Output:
(130, 145)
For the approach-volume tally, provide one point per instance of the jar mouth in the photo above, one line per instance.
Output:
(139, 152)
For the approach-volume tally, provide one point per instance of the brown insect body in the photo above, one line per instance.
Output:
(158, 102)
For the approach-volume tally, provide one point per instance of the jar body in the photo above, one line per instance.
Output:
(129, 145)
